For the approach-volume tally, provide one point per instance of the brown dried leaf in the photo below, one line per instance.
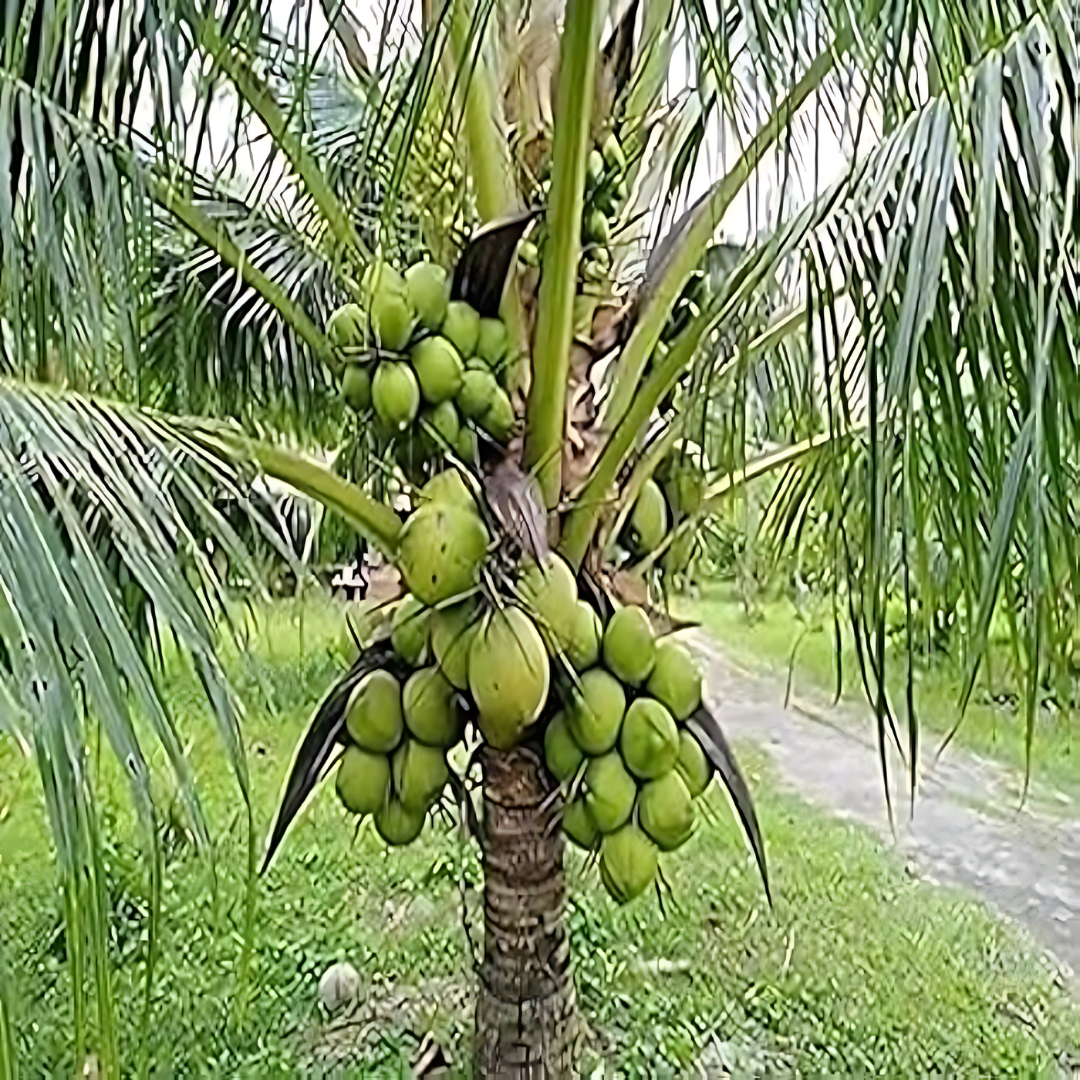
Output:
(515, 499)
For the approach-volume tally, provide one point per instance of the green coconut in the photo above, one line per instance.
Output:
(628, 862)
(612, 152)
(609, 791)
(381, 275)
(675, 680)
(666, 811)
(594, 169)
(362, 780)
(629, 647)
(462, 326)
(452, 631)
(409, 631)
(479, 389)
(685, 489)
(649, 740)
(448, 487)
(391, 319)
(595, 227)
(431, 709)
(561, 752)
(395, 395)
(441, 549)
(345, 328)
(499, 419)
(467, 447)
(582, 641)
(579, 826)
(692, 764)
(549, 592)
(396, 824)
(373, 714)
(425, 285)
(648, 520)
(419, 774)
(596, 711)
(492, 342)
(676, 560)
(508, 675)
(356, 387)
(444, 419)
(438, 368)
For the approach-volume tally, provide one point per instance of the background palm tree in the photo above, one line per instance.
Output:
(187, 193)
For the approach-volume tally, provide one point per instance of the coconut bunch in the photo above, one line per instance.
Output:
(430, 367)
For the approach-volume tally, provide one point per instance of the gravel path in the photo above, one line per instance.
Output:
(967, 828)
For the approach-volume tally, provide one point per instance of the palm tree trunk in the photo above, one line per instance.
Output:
(526, 1020)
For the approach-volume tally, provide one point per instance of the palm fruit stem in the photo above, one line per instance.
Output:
(526, 1017)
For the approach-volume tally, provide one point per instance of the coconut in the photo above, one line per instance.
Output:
(431, 709)
(628, 861)
(675, 680)
(409, 631)
(425, 285)
(381, 275)
(562, 755)
(596, 711)
(629, 648)
(441, 549)
(582, 643)
(373, 714)
(345, 328)
(578, 825)
(666, 812)
(648, 520)
(692, 765)
(419, 774)
(478, 391)
(594, 169)
(452, 631)
(444, 419)
(491, 341)
(462, 326)
(391, 319)
(508, 675)
(550, 594)
(467, 448)
(595, 227)
(499, 419)
(356, 387)
(397, 825)
(685, 488)
(362, 780)
(395, 395)
(612, 152)
(676, 560)
(448, 487)
(649, 740)
(438, 367)
(609, 791)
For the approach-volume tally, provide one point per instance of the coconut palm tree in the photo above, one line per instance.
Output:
(188, 194)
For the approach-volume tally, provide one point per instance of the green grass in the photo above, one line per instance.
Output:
(858, 969)
(988, 728)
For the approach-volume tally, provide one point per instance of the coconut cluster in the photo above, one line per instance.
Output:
(437, 371)
(621, 748)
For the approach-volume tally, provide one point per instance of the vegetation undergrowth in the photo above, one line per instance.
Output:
(857, 969)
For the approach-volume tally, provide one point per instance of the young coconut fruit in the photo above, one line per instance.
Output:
(582, 642)
(649, 741)
(452, 631)
(629, 647)
(448, 487)
(444, 419)
(345, 328)
(362, 780)
(648, 520)
(596, 711)
(549, 592)
(425, 285)
(438, 367)
(692, 765)
(373, 715)
(391, 318)
(478, 390)
(356, 387)
(499, 419)
(579, 826)
(441, 549)
(562, 754)
(675, 680)
(666, 812)
(396, 824)
(395, 395)
(628, 861)
(431, 709)
(609, 792)
(419, 774)
(509, 675)
(491, 342)
(409, 629)
(462, 326)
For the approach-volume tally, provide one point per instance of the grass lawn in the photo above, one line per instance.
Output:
(988, 728)
(857, 969)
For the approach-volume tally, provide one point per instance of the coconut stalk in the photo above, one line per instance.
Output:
(526, 1018)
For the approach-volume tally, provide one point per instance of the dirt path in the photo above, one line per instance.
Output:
(966, 829)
